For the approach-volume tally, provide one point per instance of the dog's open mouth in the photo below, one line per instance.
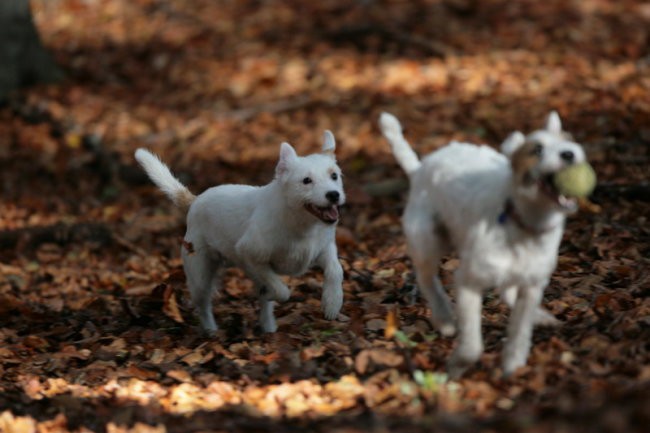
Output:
(547, 186)
(327, 214)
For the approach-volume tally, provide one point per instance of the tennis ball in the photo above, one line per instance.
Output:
(578, 180)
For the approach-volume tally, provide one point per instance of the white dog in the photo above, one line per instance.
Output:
(503, 217)
(284, 227)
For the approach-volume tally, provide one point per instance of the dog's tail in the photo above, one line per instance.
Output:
(392, 130)
(159, 173)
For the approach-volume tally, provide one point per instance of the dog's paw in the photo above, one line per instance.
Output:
(456, 368)
(331, 309)
(544, 318)
(510, 367)
(209, 333)
(206, 318)
(268, 324)
(466, 354)
(330, 313)
(331, 304)
(279, 293)
(447, 329)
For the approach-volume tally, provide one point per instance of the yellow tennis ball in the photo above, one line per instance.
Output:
(578, 180)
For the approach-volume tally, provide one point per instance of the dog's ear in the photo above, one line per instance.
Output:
(329, 144)
(287, 157)
(553, 123)
(512, 143)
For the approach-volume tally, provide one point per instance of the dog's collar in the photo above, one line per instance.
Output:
(510, 213)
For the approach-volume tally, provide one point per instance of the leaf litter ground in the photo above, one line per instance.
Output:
(96, 332)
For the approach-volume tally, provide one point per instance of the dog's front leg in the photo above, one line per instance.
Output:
(332, 298)
(469, 303)
(255, 261)
(270, 284)
(520, 328)
(542, 317)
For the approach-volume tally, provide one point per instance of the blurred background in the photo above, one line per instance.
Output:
(214, 87)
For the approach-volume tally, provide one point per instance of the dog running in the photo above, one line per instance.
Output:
(503, 217)
(283, 228)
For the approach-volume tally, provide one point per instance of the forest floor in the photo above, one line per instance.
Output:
(96, 332)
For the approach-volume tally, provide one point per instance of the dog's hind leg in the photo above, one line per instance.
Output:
(520, 329)
(469, 302)
(267, 317)
(202, 280)
(426, 248)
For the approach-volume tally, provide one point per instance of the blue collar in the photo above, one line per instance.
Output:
(510, 213)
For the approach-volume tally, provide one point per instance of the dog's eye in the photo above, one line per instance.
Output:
(538, 149)
(307, 180)
(334, 176)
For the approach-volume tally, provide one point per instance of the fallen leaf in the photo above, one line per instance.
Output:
(180, 375)
(312, 352)
(379, 357)
(392, 324)
(170, 306)
(16, 424)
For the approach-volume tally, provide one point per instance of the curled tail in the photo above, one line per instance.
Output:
(392, 130)
(159, 173)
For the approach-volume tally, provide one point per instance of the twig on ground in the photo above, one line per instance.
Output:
(272, 107)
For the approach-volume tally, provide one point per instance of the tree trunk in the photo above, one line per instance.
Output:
(23, 59)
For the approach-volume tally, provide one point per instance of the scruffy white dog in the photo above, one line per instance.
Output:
(503, 217)
(282, 228)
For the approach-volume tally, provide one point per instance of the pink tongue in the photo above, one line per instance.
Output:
(331, 213)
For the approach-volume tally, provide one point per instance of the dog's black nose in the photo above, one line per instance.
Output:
(567, 156)
(333, 196)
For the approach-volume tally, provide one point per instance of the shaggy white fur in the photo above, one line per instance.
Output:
(501, 214)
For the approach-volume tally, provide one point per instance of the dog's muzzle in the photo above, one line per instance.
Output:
(546, 185)
(327, 214)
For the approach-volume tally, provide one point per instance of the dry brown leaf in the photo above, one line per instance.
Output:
(193, 358)
(312, 352)
(136, 428)
(378, 356)
(35, 342)
(170, 306)
(392, 324)
(157, 356)
(180, 375)
(16, 424)
(140, 373)
(265, 358)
